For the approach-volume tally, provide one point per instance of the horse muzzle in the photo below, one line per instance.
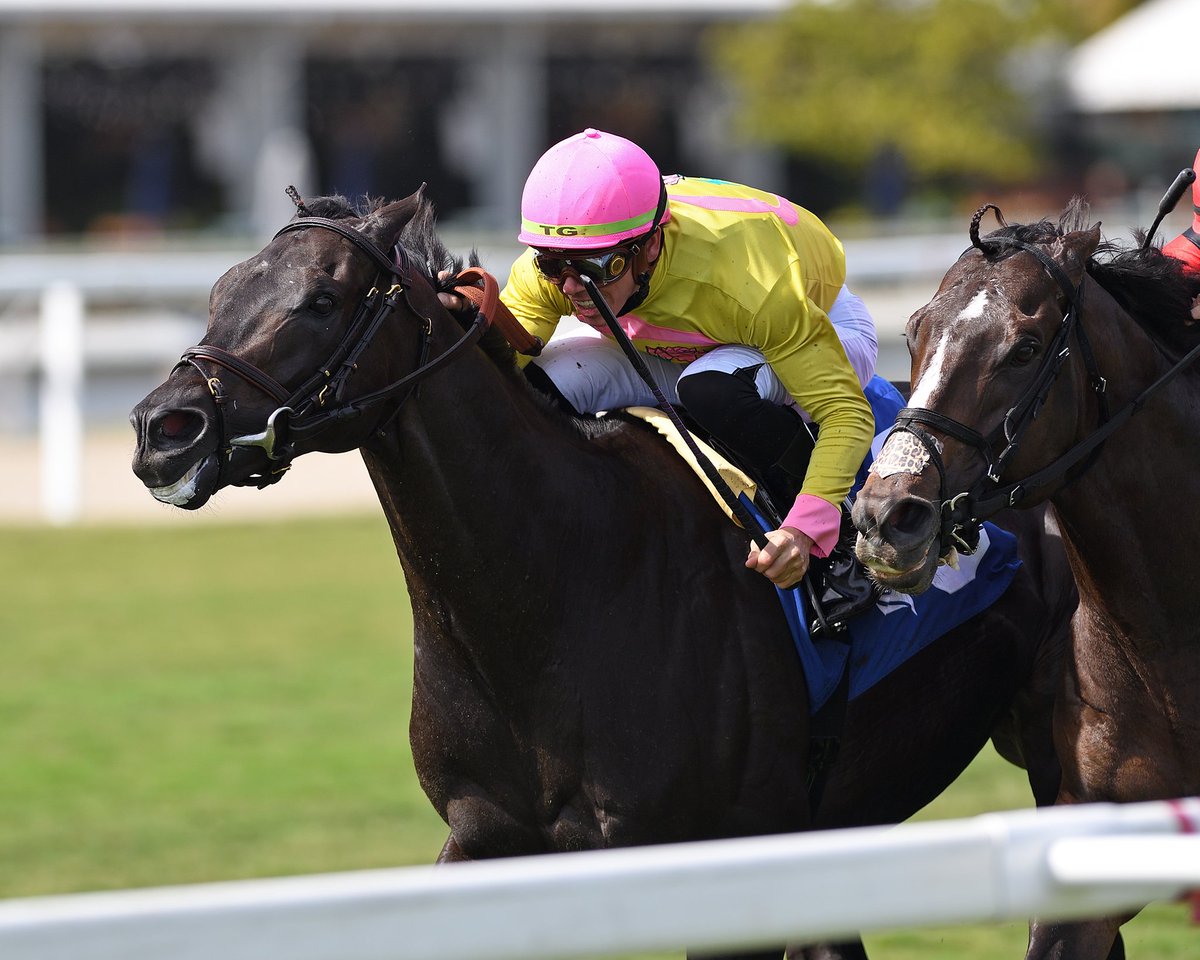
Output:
(177, 455)
(898, 539)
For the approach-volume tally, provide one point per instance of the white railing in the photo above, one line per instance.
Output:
(1060, 863)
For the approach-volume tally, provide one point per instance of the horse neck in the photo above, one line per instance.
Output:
(480, 482)
(1118, 508)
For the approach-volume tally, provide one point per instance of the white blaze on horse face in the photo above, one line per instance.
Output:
(903, 452)
(925, 389)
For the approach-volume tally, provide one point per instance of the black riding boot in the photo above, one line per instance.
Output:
(772, 442)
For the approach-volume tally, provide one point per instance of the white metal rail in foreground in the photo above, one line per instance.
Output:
(1059, 863)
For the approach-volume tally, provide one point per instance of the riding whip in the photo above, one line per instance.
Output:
(1182, 181)
(749, 522)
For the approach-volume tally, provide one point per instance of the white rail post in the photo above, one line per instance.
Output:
(61, 403)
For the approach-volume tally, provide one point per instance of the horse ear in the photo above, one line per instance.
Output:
(1077, 249)
(386, 223)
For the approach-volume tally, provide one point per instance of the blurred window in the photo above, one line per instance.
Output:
(119, 146)
(375, 126)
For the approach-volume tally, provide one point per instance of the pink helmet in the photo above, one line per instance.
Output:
(591, 191)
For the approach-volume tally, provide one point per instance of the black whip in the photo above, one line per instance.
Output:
(1184, 180)
(749, 522)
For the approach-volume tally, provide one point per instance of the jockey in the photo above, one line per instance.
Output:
(737, 299)
(1186, 246)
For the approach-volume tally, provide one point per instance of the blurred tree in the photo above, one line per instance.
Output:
(931, 90)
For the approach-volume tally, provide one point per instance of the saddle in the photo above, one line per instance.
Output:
(841, 586)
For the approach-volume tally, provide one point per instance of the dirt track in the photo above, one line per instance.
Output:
(318, 484)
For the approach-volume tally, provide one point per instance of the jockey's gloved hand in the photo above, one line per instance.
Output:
(455, 302)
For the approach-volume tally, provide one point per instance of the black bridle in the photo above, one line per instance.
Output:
(319, 401)
(964, 512)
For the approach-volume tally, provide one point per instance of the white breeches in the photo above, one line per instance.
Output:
(593, 374)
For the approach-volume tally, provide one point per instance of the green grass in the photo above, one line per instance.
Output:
(190, 704)
(184, 704)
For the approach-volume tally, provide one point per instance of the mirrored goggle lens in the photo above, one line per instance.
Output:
(603, 268)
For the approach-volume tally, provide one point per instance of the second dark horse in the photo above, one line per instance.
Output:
(594, 665)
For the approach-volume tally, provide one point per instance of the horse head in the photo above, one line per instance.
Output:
(284, 368)
(986, 351)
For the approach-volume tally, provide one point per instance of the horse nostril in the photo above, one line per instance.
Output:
(174, 428)
(911, 517)
(172, 424)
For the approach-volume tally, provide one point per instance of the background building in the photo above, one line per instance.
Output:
(192, 115)
(1134, 94)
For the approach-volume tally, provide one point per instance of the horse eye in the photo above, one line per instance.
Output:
(1024, 351)
(323, 304)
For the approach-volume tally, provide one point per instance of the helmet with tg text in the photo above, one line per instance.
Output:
(590, 191)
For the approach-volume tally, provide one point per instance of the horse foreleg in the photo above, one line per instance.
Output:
(1025, 739)
(451, 852)
(1079, 940)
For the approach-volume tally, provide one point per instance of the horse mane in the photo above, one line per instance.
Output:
(1149, 285)
(1154, 289)
(427, 252)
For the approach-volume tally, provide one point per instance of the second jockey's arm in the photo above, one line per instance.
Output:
(812, 364)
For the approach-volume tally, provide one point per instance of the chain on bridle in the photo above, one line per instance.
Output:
(320, 401)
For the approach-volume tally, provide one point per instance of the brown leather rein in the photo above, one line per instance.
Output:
(317, 403)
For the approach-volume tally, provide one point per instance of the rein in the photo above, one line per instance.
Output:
(318, 403)
(962, 514)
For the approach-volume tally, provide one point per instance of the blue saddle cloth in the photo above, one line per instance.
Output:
(899, 626)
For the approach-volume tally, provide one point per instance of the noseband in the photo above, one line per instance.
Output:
(318, 402)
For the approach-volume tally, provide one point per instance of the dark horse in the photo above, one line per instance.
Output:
(1040, 344)
(594, 665)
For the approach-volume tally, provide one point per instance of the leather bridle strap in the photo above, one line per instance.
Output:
(943, 423)
(296, 417)
(487, 301)
(1014, 492)
(382, 260)
(247, 371)
(962, 513)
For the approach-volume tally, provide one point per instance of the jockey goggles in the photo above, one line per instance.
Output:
(605, 267)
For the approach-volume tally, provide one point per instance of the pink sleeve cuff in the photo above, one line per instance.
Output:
(818, 519)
